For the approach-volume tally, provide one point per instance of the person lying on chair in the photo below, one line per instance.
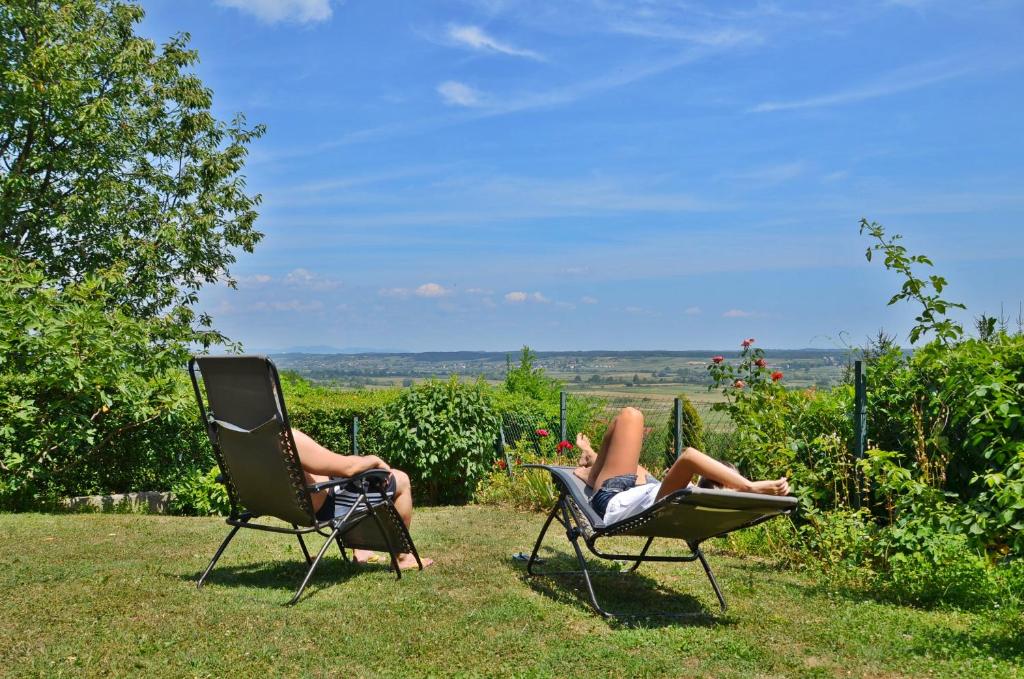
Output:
(624, 488)
(321, 464)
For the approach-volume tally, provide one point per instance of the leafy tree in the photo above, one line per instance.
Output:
(924, 291)
(110, 156)
(530, 381)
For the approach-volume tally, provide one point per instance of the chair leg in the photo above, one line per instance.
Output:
(640, 557)
(540, 538)
(220, 550)
(302, 543)
(341, 546)
(711, 577)
(387, 540)
(573, 534)
(312, 567)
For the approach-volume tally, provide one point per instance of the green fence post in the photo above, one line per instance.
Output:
(860, 422)
(678, 429)
(355, 434)
(561, 415)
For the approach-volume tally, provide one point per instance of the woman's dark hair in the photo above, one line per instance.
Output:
(708, 483)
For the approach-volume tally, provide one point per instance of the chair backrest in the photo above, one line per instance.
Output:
(246, 420)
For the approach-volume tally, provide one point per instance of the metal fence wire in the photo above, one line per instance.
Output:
(591, 414)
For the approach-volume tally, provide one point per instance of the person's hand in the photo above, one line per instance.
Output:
(377, 463)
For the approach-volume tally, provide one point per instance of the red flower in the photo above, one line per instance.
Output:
(717, 359)
(760, 363)
(502, 464)
(747, 342)
(562, 446)
(541, 432)
(776, 376)
(739, 384)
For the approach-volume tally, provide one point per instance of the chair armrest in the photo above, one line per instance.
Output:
(371, 476)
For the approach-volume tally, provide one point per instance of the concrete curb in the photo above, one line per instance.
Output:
(150, 501)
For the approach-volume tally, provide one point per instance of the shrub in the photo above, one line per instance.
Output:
(443, 435)
(200, 494)
(522, 488)
(691, 430)
(326, 414)
(91, 400)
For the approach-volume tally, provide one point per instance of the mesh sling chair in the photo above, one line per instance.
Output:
(691, 515)
(246, 420)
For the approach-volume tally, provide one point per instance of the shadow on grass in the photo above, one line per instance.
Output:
(286, 576)
(636, 599)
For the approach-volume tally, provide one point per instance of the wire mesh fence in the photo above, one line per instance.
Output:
(592, 413)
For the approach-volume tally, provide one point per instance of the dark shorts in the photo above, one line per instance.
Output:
(340, 499)
(609, 489)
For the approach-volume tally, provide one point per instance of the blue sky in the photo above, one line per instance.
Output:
(605, 174)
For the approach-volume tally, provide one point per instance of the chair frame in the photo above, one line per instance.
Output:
(576, 524)
(333, 529)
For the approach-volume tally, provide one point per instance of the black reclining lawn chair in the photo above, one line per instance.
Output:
(692, 515)
(252, 441)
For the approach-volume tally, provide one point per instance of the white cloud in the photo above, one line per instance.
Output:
(518, 297)
(274, 11)
(738, 313)
(458, 94)
(479, 291)
(588, 299)
(475, 38)
(290, 305)
(693, 311)
(304, 278)
(432, 290)
(401, 293)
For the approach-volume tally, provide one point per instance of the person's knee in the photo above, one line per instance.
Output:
(688, 453)
(402, 482)
(631, 414)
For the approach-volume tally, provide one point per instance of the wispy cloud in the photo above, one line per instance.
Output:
(693, 311)
(475, 38)
(455, 93)
(902, 80)
(304, 278)
(276, 11)
(587, 299)
(297, 305)
(769, 175)
(741, 313)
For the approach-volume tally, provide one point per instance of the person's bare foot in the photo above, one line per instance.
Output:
(776, 487)
(405, 560)
(587, 455)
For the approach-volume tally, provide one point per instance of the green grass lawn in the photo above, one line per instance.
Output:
(115, 595)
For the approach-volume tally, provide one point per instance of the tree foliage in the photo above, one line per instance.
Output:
(110, 156)
(79, 381)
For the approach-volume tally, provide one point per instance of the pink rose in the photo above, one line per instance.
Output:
(717, 359)
(776, 376)
(747, 342)
(760, 363)
(739, 384)
(541, 432)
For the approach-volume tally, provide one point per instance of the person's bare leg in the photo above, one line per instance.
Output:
(620, 449)
(320, 463)
(692, 462)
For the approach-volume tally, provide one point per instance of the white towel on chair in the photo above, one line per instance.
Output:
(630, 502)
